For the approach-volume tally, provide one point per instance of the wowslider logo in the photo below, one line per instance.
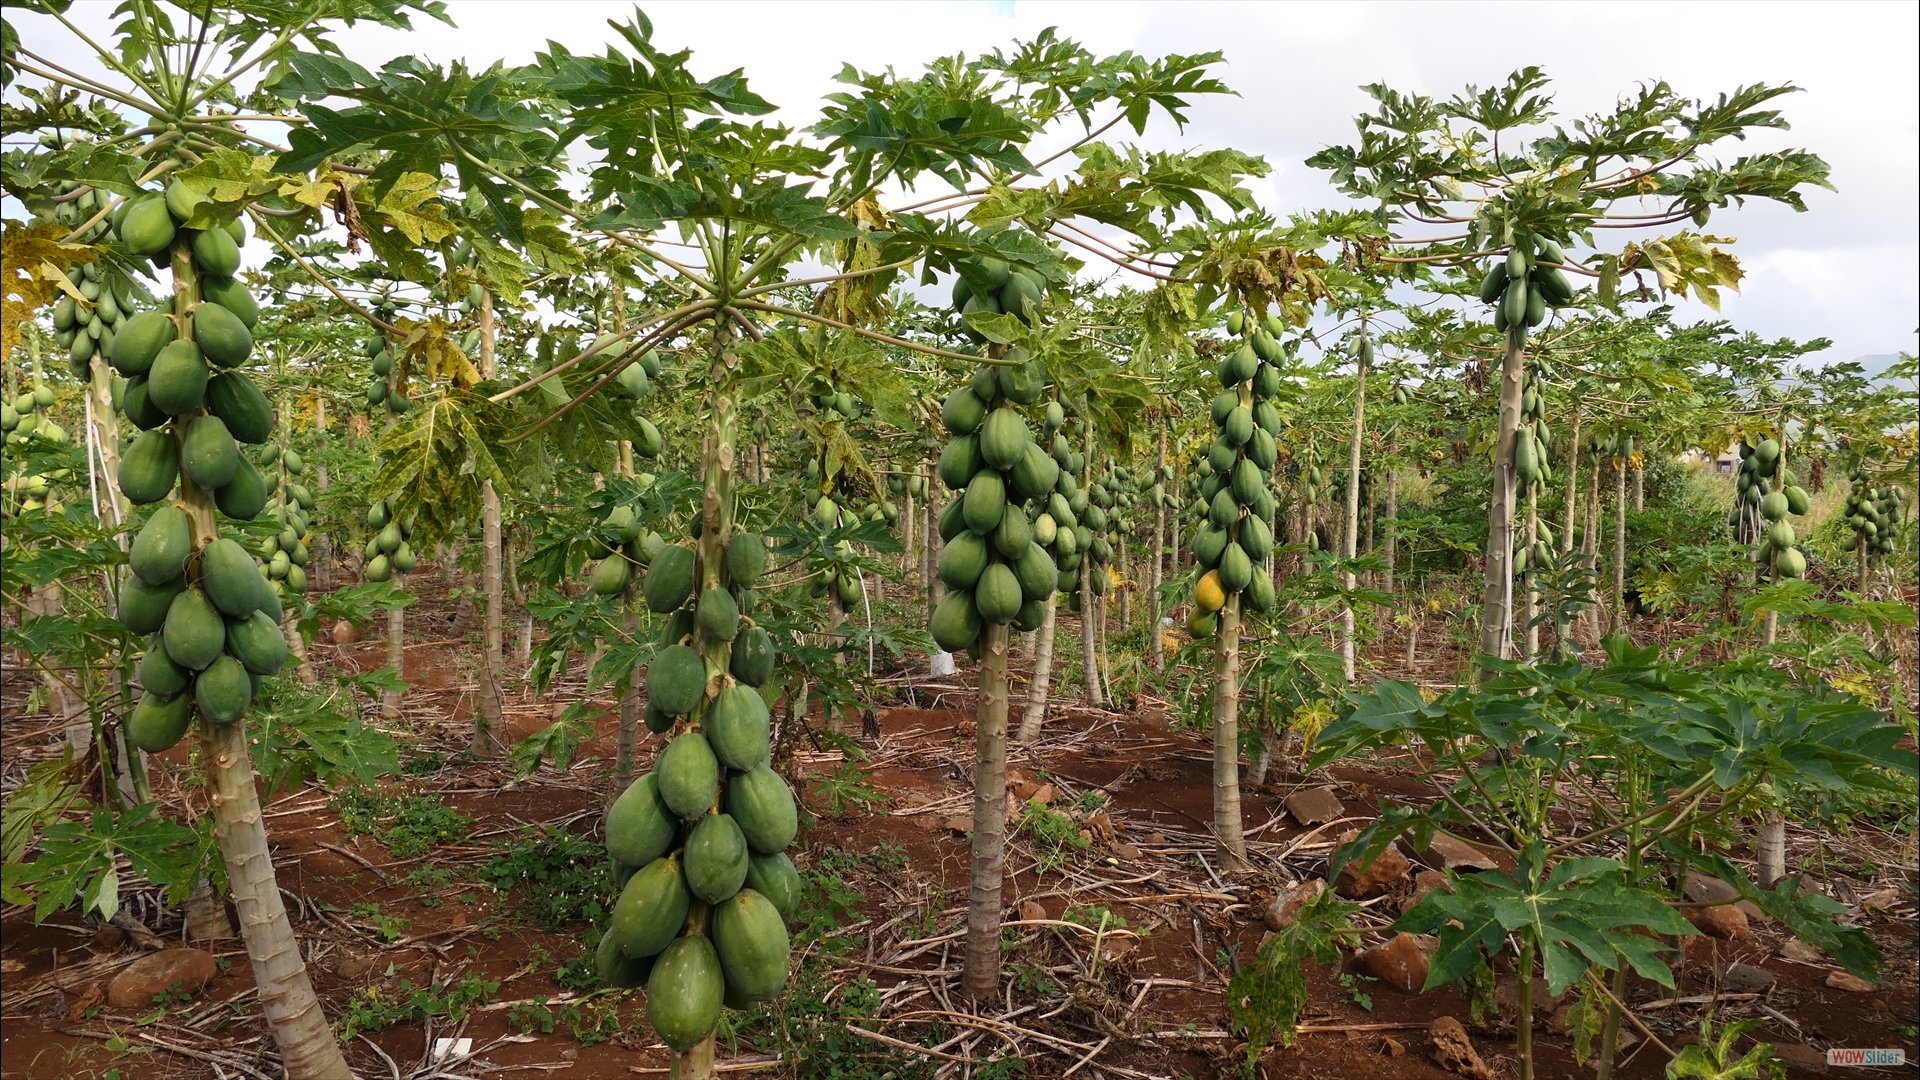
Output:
(1869, 1058)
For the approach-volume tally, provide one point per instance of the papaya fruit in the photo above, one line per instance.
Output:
(178, 378)
(1013, 536)
(762, 806)
(746, 559)
(997, 596)
(753, 657)
(1209, 595)
(239, 404)
(1262, 450)
(717, 615)
(669, 579)
(231, 580)
(984, 502)
(774, 877)
(1266, 381)
(1790, 563)
(652, 907)
(157, 674)
(951, 521)
(962, 561)
(222, 337)
(956, 622)
(1238, 426)
(676, 679)
(194, 633)
(1004, 438)
(215, 252)
(610, 575)
(678, 626)
(688, 775)
(615, 969)
(640, 827)
(142, 607)
(1044, 530)
(684, 992)
(223, 691)
(963, 411)
(750, 935)
(1034, 475)
(245, 495)
(149, 468)
(737, 729)
(716, 858)
(656, 721)
(147, 229)
(1256, 538)
(1236, 569)
(1247, 482)
(230, 294)
(258, 642)
(160, 551)
(1036, 573)
(209, 456)
(1022, 381)
(157, 723)
(961, 460)
(1797, 501)
(138, 408)
(139, 340)
(649, 444)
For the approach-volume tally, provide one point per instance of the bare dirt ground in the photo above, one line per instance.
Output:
(1141, 994)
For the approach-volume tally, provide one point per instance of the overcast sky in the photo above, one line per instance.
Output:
(1848, 269)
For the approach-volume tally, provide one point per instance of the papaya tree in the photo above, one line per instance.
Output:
(1438, 166)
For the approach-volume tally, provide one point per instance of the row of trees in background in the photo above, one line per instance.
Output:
(1149, 413)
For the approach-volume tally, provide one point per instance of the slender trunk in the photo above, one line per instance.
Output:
(1089, 627)
(836, 615)
(1573, 485)
(980, 976)
(1126, 589)
(1158, 643)
(1590, 545)
(1232, 846)
(1533, 574)
(489, 723)
(396, 659)
(1620, 616)
(1036, 705)
(907, 521)
(307, 1045)
(1610, 1027)
(1640, 482)
(1392, 526)
(1496, 625)
(1351, 532)
(628, 739)
(297, 645)
(1772, 849)
(1523, 1023)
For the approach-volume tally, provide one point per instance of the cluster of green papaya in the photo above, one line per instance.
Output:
(618, 546)
(379, 391)
(1401, 395)
(21, 418)
(699, 843)
(1533, 441)
(1873, 512)
(85, 332)
(995, 565)
(1098, 520)
(835, 400)
(215, 626)
(285, 551)
(77, 204)
(991, 285)
(1759, 515)
(1058, 515)
(389, 550)
(1233, 546)
(1522, 286)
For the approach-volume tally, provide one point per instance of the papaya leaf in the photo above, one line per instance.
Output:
(76, 860)
(557, 742)
(1267, 996)
(435, 460)
(1812, 918)
(1712, 1058)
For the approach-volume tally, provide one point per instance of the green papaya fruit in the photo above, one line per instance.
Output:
(194, 633)
(1004, 439)
(139, 341)
(669, 579)
(216, 253)
(238, 402)
(956, 621)
(149, 468)
(1494, 285)
(158, 675)
(230, 579)
(750, 935)
(610, 575)
(245, 495)
(640, 827)
(960, 461)
(689, 775)
(178, 378)
(157, 723)
(762, 805)
(997, 596)
(209, 456)
(676, 679)
(753, 657)
(985, 502)
(223, 691)
(258, 642)
(147, 229)
(222, 337)
(717, 615)
(160, 551)
(651, 910)
(142, 607)
(1797, 501)
(746, 559)
(684, 993)
(737, 729)
(1208, 545)
(963, 412)
(615, 969)
(233, 296)
(138, 408)
(715, 859)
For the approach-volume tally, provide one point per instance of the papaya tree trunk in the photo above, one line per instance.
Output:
(308, 1049)
(1533, 574)
(1350, 535)
(1158, 642)
(1496, 607)
(489, 723)
(1573, 486)
(1089, 629)
(1036, 705)
(1229, 842)
(1620, 617)
(1392, 526)
(980, 973)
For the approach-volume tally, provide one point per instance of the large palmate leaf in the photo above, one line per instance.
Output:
(1580, 912)
(435, 459)
(76, 861)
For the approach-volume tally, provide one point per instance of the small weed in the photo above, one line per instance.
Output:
(1089, 801)
(1031, 980)
(1908, 1032)
(375, 1009)
(846, 788)
(1351, 984)
(1095, 918)
(577, 975)
(425, 764)
(409, 825)
(564, 879)
(1054, 835)
(591, 1020)
(389, 927)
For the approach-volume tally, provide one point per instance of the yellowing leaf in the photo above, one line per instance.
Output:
(410, 207)
(222, 183)
(35, 263)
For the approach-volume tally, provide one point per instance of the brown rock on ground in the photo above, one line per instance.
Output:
(353, 967)
(1725, 921)
(1802, 953)
(1286, 906)
(1853, 984)
(1453, 853)
(1425, 882)
(108, 938)
(1801, 1058)
(1743, 978)
(1454, 1052)
(1401, 962)
(136, 984)
(1031, 910)
(1315, 806)
(344, 633)
(1389, 868)
(1705, 889)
